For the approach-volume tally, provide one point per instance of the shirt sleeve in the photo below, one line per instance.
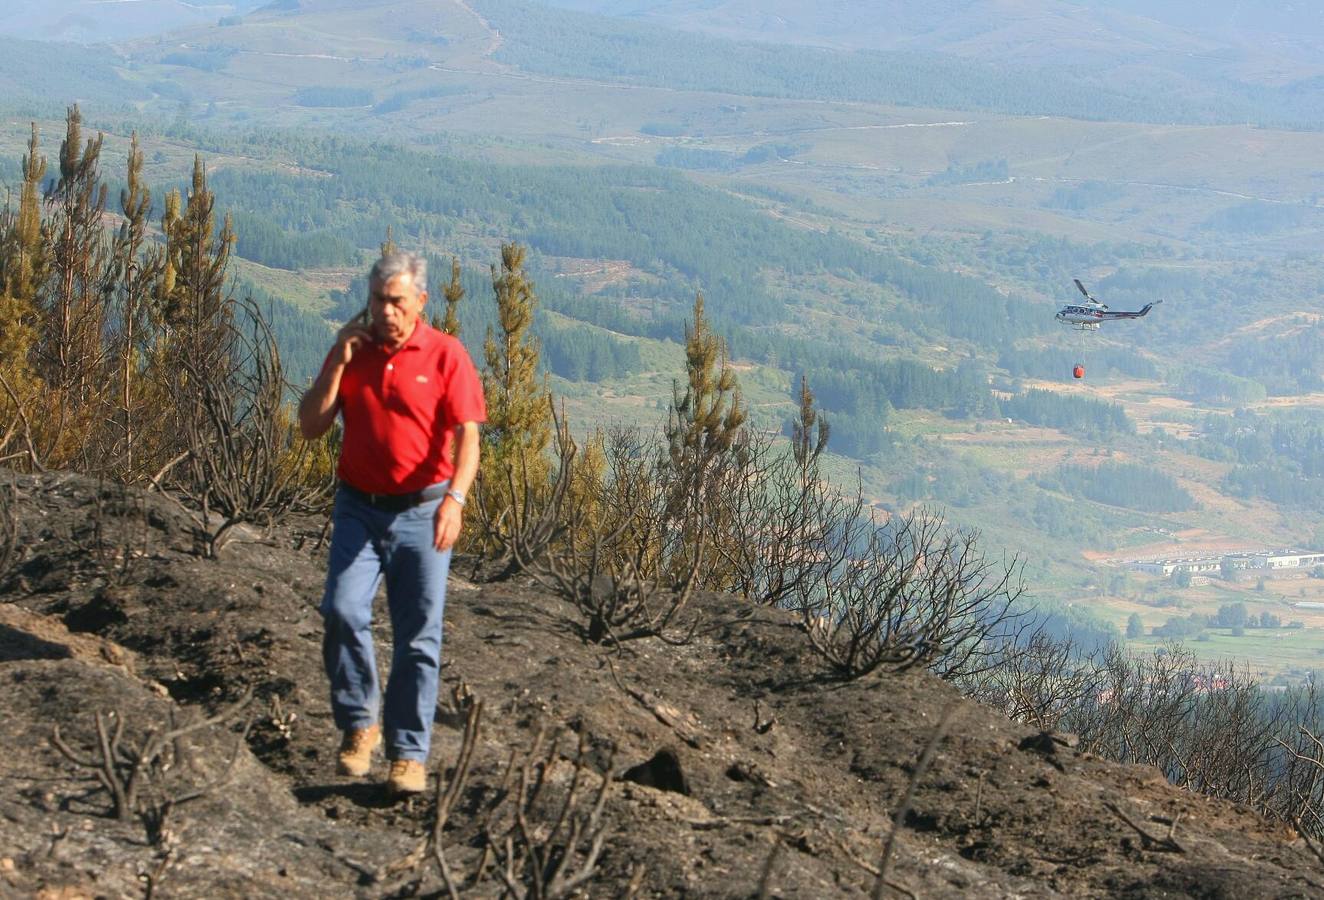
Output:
(463, 401)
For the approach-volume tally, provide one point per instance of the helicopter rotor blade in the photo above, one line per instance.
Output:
(1088, 295)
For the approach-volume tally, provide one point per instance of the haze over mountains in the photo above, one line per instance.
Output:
(100, 21)
(1258, 42)
(1263, 42)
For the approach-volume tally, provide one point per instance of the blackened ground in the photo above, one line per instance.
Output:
(734, 744)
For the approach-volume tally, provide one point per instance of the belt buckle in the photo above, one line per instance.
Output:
(378, 501)
(393, 502)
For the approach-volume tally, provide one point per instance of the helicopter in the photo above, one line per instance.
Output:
(1090, 315)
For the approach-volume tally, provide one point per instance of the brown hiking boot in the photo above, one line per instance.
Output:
(355, 756)
(408, 776)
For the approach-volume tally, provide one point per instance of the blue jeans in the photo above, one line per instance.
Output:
(368, 544)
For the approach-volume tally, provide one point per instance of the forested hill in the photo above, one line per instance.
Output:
(40, 77)
(539, 39)
(679, 237)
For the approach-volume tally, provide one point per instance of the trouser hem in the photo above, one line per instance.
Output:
(409, 755)
(355, 724)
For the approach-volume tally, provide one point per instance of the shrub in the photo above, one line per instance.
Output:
(913, 593)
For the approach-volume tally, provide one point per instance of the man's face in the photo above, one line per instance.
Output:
(396, 305)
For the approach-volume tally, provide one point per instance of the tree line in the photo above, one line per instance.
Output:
(1130, 485)
(1080, 414)
(1279, 457)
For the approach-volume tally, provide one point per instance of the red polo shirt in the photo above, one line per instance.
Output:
(401, 409)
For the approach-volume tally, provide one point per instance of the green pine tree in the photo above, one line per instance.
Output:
(454, 293)
(518, 415)
(136, 264)
(196, 307)
(72, 306)
(515, 471)
(705, 437)
(23, 251)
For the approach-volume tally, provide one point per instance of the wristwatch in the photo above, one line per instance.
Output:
(457, 496)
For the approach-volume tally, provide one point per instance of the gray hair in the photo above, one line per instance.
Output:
(397, 262)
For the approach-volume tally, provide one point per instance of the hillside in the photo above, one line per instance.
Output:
(106, 610)
(898, 228)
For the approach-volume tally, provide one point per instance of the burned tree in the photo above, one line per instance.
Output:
(912, 593)
(784, 524)
(1039, 681)
(538, 834)
(136, 265)
(545, 841)
(1305, 791)
(73, 307)
(706, 440)
(615, 561)
(236, 454)
(1209, 728)
(243, 460)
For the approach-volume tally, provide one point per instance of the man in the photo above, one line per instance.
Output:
(412, 402)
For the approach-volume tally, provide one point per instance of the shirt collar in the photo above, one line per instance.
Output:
(424, 336)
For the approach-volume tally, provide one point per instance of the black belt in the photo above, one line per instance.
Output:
(396, 502)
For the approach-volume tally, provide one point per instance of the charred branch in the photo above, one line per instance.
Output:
(913, 593)
(526, 518)
(244, 462)
(544, 846)
(139, 775)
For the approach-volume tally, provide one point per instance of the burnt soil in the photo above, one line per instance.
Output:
(108, 609)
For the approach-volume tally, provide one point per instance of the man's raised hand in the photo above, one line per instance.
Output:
(350, 338)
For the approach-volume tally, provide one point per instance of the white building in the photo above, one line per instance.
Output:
(1261, 559)
(1287, 559)
(1191, 564)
